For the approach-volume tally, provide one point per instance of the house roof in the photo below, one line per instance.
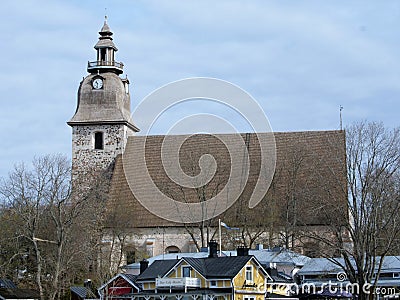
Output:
(157, 269)
(168, 256)
(320, 266)
(282, 277)
(216, 267)
(130, 278)
(83, 292)
(264, 256)
(281, 256)
(391, 263)
(326, 266)
(16, 293)
(320, 178)
(7, 283)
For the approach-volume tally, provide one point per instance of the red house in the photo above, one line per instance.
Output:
(120, 285)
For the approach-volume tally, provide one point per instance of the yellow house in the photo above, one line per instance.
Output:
(212, 278)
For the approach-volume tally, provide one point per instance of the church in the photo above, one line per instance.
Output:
(306, 189)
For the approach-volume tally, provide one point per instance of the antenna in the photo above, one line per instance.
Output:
(163, 242)
(340, 116)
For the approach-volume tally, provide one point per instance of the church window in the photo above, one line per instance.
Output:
(98, 141)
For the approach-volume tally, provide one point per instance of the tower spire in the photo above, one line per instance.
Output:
(106, 49)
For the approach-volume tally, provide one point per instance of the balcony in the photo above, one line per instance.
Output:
(180, 282)
(101, 64)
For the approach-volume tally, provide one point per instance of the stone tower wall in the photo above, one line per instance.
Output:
(86, 159)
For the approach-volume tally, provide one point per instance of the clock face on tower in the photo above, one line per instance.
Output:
(97, 83)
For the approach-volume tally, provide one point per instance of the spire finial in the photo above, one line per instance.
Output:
(340, 116)
(105, 15)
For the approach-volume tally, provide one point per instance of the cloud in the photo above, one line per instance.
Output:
(300, 60)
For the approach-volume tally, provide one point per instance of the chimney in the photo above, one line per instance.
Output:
(213, 246)
(242, 251)
(143, 265)
(88, 284)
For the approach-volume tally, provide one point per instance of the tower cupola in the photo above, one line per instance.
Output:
(105, 53)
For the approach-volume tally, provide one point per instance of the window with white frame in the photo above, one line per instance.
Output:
(186, 271)
(249, 274)
(213, 283)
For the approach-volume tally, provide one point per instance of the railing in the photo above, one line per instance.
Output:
(102, 63)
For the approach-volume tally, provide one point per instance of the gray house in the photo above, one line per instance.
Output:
(322, 272)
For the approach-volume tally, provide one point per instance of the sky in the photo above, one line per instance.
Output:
(300, 60)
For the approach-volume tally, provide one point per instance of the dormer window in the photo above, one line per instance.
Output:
(99, 140)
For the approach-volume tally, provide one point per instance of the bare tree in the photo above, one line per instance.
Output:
(43, 215)
(373, 206)
(200, 232)
(293, 196)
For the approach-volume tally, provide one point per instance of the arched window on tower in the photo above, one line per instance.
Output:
(99, 140)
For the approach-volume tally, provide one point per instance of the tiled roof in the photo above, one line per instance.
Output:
(320, 178)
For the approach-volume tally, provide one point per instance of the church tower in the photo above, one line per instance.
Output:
(102, 121)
